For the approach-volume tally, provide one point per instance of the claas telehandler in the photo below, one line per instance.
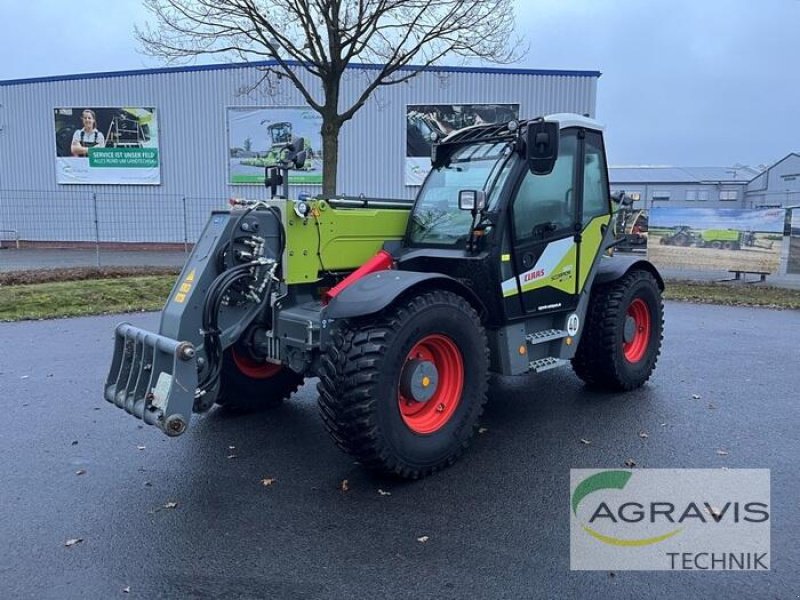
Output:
(502, 264)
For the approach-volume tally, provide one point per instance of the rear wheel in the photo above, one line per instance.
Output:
(249, 384)
(403, 391)
(621, 342)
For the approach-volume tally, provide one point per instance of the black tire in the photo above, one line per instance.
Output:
(716, 245)
(603, 359)
(360, 395)
(249, 391)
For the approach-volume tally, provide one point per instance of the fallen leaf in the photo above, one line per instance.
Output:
(695, 396)
(71, 542)
(423, 539)
(483, 429)
(126, 589)
(384, 493)
(232, 456)
(141, 447)
(148, 484)
(630, 463)
(345, 486)
(722, 452)
(231, 447)
(612, 574)
(80, 472)
(268, 481)
(643, 435)
(74, 442)
(712, 406)
(24, 376)
(663, 425)
(171, 504)
(585, 441)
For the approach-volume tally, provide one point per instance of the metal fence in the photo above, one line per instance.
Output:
(137, 217)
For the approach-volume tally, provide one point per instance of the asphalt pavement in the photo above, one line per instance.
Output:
(192, 517)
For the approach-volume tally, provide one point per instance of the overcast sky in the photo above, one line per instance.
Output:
(685, 82)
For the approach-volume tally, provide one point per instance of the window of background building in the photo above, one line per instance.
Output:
(691, 195)
(702, 195)
(661, 196)
(729, 195)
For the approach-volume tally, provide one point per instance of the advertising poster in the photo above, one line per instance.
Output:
(257, 137)
(716, 239)
(107, 145)
(794, 244)
(423, 120)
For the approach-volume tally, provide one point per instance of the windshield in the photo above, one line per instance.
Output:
(436, 218)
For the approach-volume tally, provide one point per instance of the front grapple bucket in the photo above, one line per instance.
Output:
(153, 377)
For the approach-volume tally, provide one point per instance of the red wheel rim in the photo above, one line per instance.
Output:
(430, 416)
(636, 348)
(253, 368)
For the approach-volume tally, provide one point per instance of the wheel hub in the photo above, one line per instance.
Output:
(629, 330)
(419, 380)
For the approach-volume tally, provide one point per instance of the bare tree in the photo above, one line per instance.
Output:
(322, 37)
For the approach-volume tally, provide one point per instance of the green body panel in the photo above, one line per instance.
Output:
(563, 275)
(345, 238)
(590, 246)
(722, 235)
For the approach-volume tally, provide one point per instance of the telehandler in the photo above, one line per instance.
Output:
(402, 309)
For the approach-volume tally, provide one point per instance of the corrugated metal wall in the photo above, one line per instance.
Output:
(191, 105)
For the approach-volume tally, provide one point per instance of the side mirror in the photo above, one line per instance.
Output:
(474, 200)
(542, 146)
(622, 198)
(299, 160)
(297, 145)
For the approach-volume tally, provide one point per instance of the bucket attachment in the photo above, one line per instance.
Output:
(153, 377)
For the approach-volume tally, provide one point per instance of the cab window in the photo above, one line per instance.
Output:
(545, 204)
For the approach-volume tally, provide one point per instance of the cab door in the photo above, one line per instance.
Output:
(545, 228)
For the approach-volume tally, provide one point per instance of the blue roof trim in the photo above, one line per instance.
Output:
(363, 66)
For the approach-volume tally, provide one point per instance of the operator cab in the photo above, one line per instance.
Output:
(518, 212)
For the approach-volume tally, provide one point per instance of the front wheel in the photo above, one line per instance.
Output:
(402, 391)
(621, 341)
(249, 385)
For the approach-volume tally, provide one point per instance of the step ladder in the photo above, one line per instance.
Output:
(542, 337)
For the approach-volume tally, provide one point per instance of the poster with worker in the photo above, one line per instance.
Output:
(258, 138)
(793, 264)
(107, 145)
(723, 239)
(426, 122)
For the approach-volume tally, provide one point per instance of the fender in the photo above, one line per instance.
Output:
(374, 292)
(611, 268)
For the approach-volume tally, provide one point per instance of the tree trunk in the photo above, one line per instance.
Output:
(330, 155)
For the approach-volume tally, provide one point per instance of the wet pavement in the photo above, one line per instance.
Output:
(497, 523)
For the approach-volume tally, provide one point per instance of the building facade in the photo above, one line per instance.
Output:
(193, 108)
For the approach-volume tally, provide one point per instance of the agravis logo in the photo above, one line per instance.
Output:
(670, 519)
(612, 480)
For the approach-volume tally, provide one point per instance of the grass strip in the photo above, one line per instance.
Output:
(739, 294)
(119, 294)
(86, 297)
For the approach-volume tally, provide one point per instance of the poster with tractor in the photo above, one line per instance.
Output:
(258, 135)
(725, 239)
(793, 265)
(107, 145)
(427, 122)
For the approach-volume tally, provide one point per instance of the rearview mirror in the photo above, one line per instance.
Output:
(474, 200)
(297, 145)
(542, 146)
(299, 160)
